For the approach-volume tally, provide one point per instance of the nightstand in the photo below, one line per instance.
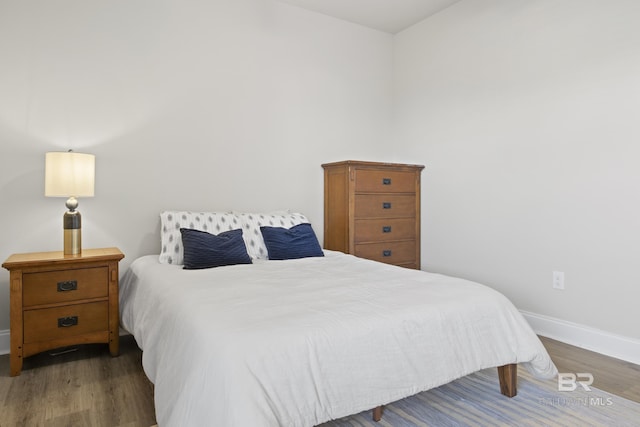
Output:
(60, 300)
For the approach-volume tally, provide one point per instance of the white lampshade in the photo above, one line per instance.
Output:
(69, 174)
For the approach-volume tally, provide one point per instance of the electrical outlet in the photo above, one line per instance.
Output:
(558, 280)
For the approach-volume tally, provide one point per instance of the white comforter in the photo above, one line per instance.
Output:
(300, 342)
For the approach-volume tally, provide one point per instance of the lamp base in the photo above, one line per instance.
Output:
(73, 242)
(72, 233)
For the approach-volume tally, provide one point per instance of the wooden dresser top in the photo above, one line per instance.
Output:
(361, 163)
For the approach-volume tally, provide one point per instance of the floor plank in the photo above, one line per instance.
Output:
(88, 387)
(612, 375)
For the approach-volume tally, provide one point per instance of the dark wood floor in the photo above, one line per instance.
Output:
(90, 388)
(87, 387)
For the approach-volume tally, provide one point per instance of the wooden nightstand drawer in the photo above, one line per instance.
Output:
(390, 253)
(67, 321)
(381, 181)
(385, 206)
(52, 287)
(381, 230)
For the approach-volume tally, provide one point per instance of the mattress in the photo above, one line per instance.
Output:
(300, 342)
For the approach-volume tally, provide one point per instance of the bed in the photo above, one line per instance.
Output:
(298, 342)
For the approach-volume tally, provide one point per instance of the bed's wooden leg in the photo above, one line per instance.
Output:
(508, 375)
(377, 413)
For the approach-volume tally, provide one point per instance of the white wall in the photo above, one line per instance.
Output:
(194, 105)
(524, 111)
(526, 115)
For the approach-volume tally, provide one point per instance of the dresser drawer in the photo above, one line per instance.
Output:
(51, 287)
(390, 253)
(381, 230)
(385, 206)
(379, 181)
(61, 322)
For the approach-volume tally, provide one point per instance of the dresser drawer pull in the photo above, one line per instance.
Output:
(386, 253)
(386, 181)
(386, 229)
(65, 322)
(69, 285)
(386, 205)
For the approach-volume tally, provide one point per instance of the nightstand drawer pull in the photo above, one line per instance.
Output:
(386, 229)
(65, 322)
(386, 253)
(386, 205)
(386, 181)
(69, 285)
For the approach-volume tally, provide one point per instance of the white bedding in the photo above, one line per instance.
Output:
(300, 342)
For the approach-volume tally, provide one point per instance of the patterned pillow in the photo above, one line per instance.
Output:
(172, 251)
(251, 223)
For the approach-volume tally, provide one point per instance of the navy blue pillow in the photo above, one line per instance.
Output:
(206, 250)
(291, 243)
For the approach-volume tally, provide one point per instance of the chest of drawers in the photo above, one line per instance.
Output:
(58, 300)
(372, 210)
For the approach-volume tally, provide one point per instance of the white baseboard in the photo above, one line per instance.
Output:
(5, 343)
(586, 337)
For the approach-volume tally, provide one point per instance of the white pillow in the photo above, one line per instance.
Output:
(251, 223)
(171, 251)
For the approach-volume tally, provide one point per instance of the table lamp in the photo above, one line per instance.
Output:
(72, 175)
